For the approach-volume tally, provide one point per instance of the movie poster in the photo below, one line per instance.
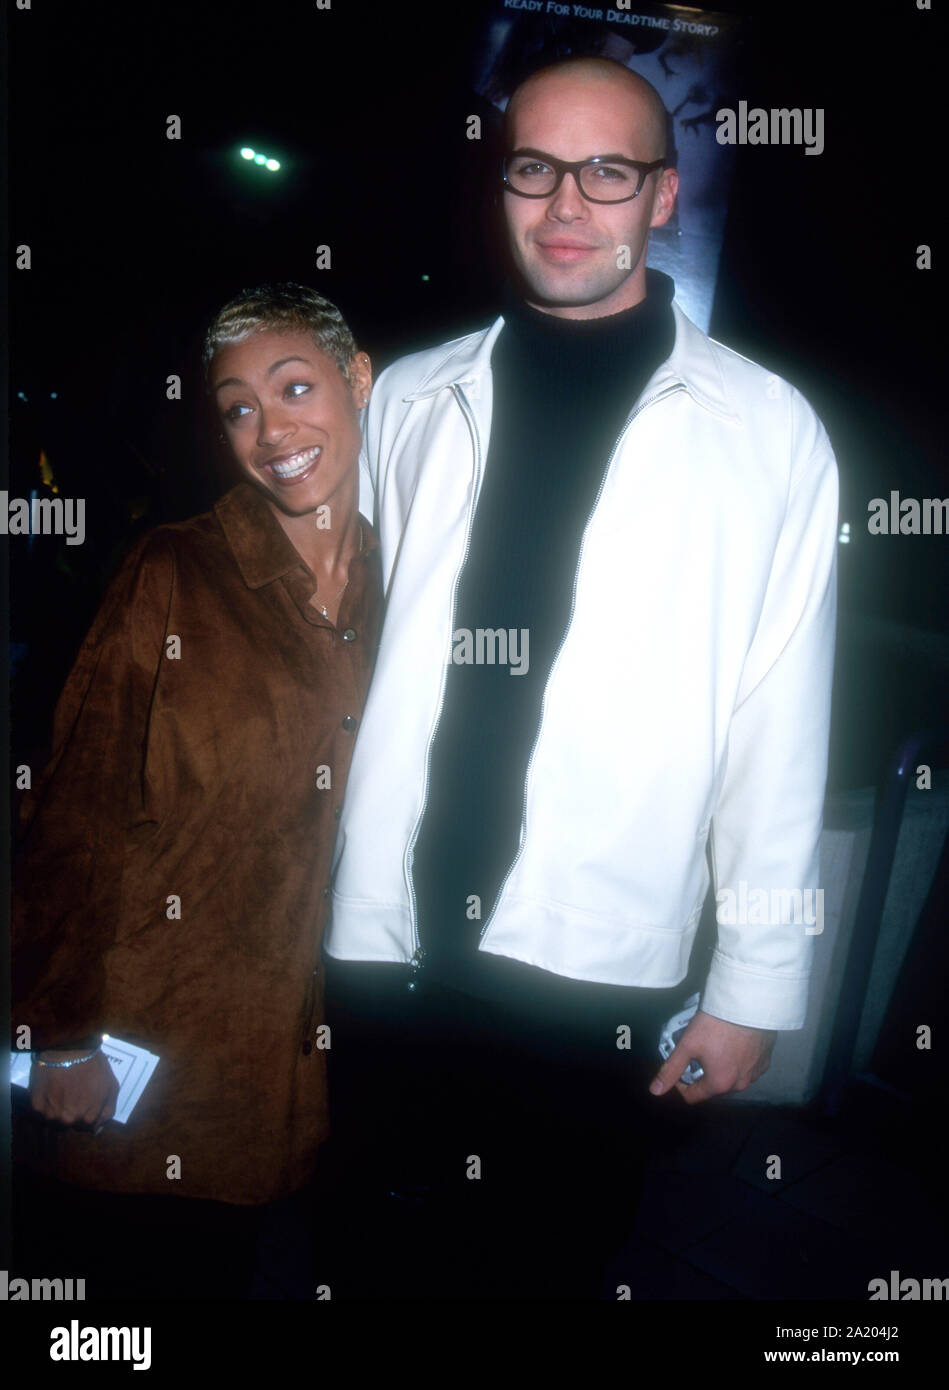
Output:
(690, 57)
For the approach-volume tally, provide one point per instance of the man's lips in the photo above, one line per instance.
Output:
(565, 250)
(289, 469)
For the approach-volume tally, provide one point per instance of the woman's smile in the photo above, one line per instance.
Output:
(293, 468)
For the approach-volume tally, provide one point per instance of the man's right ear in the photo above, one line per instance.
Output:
(666, 200)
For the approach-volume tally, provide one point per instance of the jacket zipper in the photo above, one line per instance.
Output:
(418, 953)
(667, 391)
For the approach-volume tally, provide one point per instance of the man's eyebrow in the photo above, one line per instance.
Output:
(274, 367)
(543, 154)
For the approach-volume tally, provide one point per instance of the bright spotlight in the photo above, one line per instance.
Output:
(266, 161)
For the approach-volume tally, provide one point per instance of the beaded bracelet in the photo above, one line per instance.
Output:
(74, 1062)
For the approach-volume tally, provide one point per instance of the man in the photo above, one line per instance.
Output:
(609, 551)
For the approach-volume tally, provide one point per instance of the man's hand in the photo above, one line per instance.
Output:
(731, 1055)
(81, 1095)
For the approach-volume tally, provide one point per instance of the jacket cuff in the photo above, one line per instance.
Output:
(753, 998)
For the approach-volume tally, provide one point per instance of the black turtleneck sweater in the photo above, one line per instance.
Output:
(563, 388)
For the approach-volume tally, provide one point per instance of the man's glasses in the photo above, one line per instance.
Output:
(607, 178)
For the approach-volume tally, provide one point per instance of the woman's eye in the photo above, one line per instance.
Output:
(234, 412)
(297, 388)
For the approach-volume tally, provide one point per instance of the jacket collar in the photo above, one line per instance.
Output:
(692, 364)
(262, 549)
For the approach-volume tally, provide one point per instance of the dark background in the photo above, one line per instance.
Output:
(137, 239)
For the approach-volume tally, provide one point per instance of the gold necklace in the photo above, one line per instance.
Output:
(321, 607)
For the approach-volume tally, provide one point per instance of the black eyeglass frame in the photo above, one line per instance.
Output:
(563, 166)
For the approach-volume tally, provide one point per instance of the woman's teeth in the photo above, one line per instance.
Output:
(299, 463)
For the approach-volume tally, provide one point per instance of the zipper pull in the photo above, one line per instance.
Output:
(415, 964)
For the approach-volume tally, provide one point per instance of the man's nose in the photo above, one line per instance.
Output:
(568, 203)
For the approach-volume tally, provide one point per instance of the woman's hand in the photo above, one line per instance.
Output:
(81, 1095)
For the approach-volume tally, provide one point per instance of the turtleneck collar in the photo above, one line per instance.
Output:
(535, 323)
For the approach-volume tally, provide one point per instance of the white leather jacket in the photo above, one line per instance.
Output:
(690, 697)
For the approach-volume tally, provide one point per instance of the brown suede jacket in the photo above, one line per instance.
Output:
(175, 851)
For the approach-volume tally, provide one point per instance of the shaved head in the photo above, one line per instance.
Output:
(647, 112)
(580, 256)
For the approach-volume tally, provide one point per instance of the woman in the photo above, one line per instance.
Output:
(176, 851)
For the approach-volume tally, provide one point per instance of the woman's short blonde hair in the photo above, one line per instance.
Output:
(285, 307)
